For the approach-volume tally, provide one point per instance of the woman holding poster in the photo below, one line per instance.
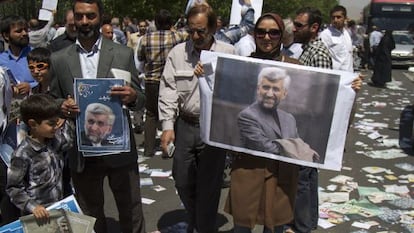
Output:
(262, 190)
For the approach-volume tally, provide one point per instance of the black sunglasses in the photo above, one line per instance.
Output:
(273, 33)
(201, 31)
(299, 25)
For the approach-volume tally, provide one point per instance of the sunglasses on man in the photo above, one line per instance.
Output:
(299, 25)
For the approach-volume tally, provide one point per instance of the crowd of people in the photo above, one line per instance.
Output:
(163, 59)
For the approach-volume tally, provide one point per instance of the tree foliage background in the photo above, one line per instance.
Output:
(145, 9)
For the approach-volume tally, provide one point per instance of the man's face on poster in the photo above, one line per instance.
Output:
(63, 226)
(270, 92)
(97, 127)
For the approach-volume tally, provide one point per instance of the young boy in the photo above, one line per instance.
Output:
(39, 63)
(34, 178)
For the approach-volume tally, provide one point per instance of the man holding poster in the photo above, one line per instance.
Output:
(93, 57)
(307, 24)
(197, 167)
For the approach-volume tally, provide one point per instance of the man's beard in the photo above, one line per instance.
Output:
(21, 43)
(94, 138)
(88, 34)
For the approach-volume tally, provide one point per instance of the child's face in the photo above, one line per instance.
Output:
(39, 71)
(46, 128)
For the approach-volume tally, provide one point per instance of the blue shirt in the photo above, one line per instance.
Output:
(18, 66)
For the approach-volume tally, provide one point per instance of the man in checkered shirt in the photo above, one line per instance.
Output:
(306, 27)
(152, 52)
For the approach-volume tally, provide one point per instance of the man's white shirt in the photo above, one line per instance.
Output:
(340, 48)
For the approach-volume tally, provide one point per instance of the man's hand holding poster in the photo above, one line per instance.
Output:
(281, 111)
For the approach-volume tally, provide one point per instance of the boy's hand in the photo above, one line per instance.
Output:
(41, 214)
(60, 122)
(69, 107)
(23, 88)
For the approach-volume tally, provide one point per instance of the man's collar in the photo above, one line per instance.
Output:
(335, 31)
(193, 50)
(23, 52)
(312, 41)
(95, 48)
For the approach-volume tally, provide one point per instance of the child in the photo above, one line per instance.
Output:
(34, 178)
(39, 64)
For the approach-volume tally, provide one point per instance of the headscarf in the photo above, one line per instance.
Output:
(275, 53)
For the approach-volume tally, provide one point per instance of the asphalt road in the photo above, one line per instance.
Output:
(375, 105)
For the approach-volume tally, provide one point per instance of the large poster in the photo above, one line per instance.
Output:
(246, 108)
(102, 125)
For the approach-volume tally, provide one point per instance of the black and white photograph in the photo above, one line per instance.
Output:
(276, 110)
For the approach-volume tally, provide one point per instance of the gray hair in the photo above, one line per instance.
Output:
(102, 109)
(274, 74)
(288, 26)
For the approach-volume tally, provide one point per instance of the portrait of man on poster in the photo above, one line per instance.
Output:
(99, 119)
(266, 128)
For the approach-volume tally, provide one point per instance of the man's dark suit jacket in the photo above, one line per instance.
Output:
(259, 129)
(66, 66)
(61, 42)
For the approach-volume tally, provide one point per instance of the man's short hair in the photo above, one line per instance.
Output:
(115, 21)
(98, 2)
(274, 74)
(101, 109)
(34, 24)
(8, 21)
(315, 15)
(204, 8)
(39, 107)
(163, 20)
(338, 8)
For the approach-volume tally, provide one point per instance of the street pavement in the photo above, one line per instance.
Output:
(373, 190)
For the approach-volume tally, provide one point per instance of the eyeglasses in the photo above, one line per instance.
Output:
(273, 33)
(299, 25)
(39, 66)
(201, 31)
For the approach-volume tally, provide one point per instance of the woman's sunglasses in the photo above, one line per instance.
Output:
(39, 66)
(273, 33)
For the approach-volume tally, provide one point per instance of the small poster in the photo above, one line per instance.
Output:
(58, 223)
(68, 204)
(102, 125)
